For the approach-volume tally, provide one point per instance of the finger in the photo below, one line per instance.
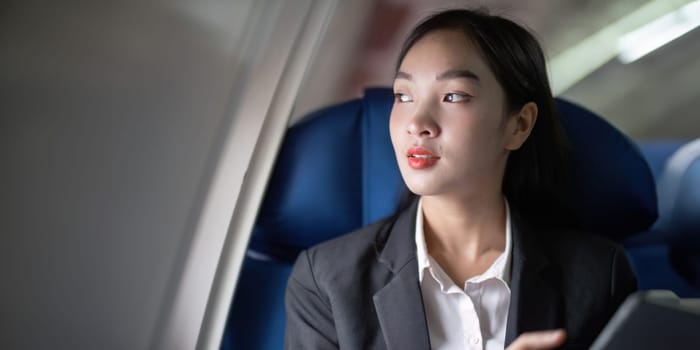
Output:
(538, 340)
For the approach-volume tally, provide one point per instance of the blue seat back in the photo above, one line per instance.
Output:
(336, 171)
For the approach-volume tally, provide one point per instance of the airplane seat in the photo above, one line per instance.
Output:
(669, 251)
(336, 171)
(679, 209)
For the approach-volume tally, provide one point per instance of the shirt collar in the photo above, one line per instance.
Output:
(421, 249)
(499, 269)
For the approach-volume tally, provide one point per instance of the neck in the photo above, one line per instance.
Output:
(469, 227)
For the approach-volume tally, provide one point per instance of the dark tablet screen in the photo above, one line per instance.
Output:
(652, 320)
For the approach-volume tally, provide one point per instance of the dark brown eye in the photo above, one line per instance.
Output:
(399, 97)
(455, 97)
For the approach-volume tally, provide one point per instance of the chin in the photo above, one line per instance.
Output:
(422, 189)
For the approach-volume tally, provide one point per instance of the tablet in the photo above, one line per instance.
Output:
(653, 320)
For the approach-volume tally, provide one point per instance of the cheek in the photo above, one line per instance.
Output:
(472, 136)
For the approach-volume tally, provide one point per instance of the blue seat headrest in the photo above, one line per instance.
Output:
(613, 191)
(336, 171)
(679, 196)
(657, 153)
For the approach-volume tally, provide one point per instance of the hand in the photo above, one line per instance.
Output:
(538, 340)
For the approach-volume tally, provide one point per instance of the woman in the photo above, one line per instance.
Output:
(476, 260)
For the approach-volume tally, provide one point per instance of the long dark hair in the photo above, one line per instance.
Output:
(536, 175)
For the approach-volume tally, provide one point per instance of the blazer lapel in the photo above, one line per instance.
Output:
(399, 304)
(535, 303)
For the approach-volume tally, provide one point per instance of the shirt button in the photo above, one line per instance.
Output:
(474, 340)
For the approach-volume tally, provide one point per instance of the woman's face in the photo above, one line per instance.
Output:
(449, 126)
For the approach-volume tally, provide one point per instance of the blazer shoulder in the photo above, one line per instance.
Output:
(579, 244)
(350, 243)
(591, 260)
(348, 254)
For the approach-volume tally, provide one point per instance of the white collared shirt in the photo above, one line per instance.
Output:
(470, 317)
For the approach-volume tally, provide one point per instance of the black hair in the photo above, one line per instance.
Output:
(536, 175)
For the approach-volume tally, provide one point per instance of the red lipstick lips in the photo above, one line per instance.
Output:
(420, 158)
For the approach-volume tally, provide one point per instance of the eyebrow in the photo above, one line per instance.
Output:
(458, 73)
(403, 75)
(448, 74)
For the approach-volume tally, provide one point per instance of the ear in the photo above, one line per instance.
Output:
(520, 126)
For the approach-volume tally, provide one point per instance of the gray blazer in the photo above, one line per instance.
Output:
(361, 290)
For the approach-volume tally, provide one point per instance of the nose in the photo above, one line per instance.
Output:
(422, 124)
